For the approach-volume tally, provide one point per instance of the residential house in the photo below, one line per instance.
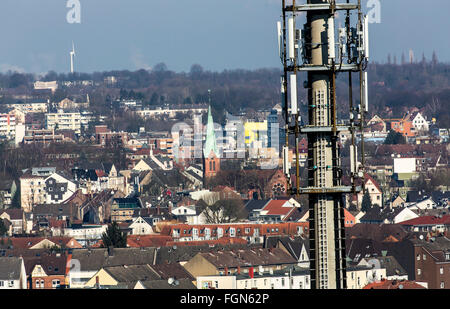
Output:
(374, 190)
(362, 273)
(377, 124)
(122, 209)
(394, 271)
(85, 234)
(277, 211)
(437, 224)
(423, 204)
(252, 232)
(398, 214)
(431, 262)
(297, 247)
(380, 233)
(85, 263)
(54, 189)
(396, 201)
(35, 243)
(17, 218)
(418, 121)
(238, 261)
(47, 271)
(12, 273)
(8, 190)
(143, 225)
(123, 275)
(287, 278)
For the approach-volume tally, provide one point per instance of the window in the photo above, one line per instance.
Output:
(232, 232)
(424, 257)
(418, 257)
(55, 284)
(442, 285)
(419, 271)
(441, 270)
(37, 284)
(11, 283)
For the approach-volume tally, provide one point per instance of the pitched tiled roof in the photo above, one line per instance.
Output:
(278, 207)
(428, 220)
(293, 245)
(174, 270)
(95, 259)
(248, 257)
(393, 285)
(367, 177)
(184, 284)
(10, 268)
(182, 253)
(393, 268)
(132, 273)
(139, 241)
(255, 204)
(52, 264)
(14, 213)
(376, 232)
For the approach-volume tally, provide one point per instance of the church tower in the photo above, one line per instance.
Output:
(211, 160)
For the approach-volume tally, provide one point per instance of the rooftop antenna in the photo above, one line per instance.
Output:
(72, 55)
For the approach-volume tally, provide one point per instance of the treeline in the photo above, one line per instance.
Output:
(393, 89)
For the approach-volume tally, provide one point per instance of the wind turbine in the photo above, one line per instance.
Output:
(72, 55)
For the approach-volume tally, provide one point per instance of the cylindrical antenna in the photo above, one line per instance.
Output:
(291, 37)
(294, 106)
(331, 41)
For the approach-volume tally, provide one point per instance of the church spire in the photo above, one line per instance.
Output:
(210, 143)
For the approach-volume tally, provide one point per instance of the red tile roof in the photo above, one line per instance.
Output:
(367, 177)
(220, 241)
(393, 284)
(278, 207)
(141, 241)
(428, 220)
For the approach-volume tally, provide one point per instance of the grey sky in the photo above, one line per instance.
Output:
(133, 34)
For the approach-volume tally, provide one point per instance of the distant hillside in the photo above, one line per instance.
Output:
(393, 89)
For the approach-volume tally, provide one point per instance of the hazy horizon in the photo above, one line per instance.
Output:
(218, 35)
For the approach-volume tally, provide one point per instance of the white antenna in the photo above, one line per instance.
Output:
(291, 37)
(294, 107)
(280, 40)
(331, 40)
(72, 55)
(365, 92)
(366, 37)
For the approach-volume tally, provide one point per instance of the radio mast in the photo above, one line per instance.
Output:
(320, 52)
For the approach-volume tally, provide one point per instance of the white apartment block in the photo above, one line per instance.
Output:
(7, 126)
(53, 85)
(36, 107)
(171, 113)
(64, 121)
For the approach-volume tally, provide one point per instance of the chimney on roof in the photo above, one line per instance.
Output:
(97, 282)
(226, 271)
(239, 270)
(251, 272)
(110, 251)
